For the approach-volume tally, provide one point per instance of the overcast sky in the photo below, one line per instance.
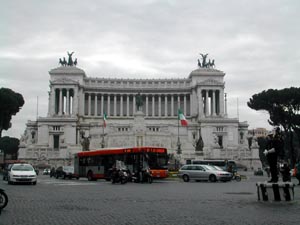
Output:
(256, 43)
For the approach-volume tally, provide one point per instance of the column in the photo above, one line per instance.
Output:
(147, 108)
(221, 102)
(102, 104)
(200, 103)
(153, 105)
(75, 102)
(60, 102)
(159, 105)
(133, 105)
(115, 105)
(184, 105)
(96, 104)
(178, 103)
(53, 103)
(127, 102)
(206, 103)
(172, 105)
(166, 105)
(68, 102)
(108, 104)
(213, 102)
(89, 104)
(225, 105)
(121, 105)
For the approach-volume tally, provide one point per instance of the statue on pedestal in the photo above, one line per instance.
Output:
(139, 102)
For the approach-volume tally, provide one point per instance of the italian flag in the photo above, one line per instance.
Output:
(182, 118)
(104, 119)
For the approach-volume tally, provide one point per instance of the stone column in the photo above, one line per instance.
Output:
(213, 103)
(108, 104)
(178, 103)
(221, 102)
(60, 102)
(89, 104)
(184, 104)
(200, 103)
(172, 105)
(159, 105)
(68, 102)
(127, 102)
(166, 105)
(225, 104)
(153, 105)
(96, 104)
(115, 105)
(133, 105)
(121, 105)
(147, 107)
(206, 103)
(102, 104)
(53, 102)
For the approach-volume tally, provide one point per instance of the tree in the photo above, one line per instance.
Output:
(283, 107)
(10, 104)
(10, 146)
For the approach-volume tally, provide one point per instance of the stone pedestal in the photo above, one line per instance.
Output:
(281, 191)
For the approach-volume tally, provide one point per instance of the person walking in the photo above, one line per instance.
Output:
(297, 172)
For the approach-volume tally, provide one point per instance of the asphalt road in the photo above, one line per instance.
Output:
(56, 201)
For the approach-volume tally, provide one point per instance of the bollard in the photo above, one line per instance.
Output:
(281, 191)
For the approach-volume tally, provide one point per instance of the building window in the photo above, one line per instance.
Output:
(220, 141)
(56, 142)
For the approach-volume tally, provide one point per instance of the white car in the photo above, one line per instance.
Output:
(203, 172)
(22, 173)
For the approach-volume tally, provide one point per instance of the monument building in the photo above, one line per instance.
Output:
(86, 113)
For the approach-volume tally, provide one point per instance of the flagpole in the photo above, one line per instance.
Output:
(178, 139)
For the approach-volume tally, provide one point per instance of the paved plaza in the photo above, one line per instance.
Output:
(171, 201)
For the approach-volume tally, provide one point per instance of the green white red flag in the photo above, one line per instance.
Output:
(182, 118)
(104, 119)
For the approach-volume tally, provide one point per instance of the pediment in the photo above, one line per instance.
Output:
(64, 81)
(211, 82)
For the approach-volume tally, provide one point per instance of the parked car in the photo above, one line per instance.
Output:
(65, 172)
(22, 173)
(202, 172)
(46, 171)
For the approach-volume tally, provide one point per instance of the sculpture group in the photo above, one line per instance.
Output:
(63, 62)
(205, 63)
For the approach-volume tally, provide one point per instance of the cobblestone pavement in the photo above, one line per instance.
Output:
(71, 202)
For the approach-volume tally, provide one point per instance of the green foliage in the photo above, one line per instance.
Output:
(9, 146)
(283, 107)
(10, 104)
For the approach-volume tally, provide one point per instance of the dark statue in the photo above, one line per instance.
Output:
(85, 142)
(139, 102)
(200, 143)
(63, 62)
(205, 64)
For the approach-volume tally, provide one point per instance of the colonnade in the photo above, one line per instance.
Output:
(62, 101)
(161, 105)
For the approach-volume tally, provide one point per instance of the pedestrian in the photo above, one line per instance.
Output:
(275, 148)
(297, 172)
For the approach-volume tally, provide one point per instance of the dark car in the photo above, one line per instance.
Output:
(65, 172)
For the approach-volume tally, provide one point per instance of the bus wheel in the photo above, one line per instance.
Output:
(212, 178)
(90, 176)
(186, 178)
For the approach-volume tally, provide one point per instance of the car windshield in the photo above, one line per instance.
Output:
(69, 169)
(22, 167)
(218, 168)
(208, 167)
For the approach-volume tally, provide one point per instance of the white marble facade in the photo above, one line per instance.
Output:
(77, 104)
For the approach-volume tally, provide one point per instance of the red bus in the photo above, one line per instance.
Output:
(96, 164)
